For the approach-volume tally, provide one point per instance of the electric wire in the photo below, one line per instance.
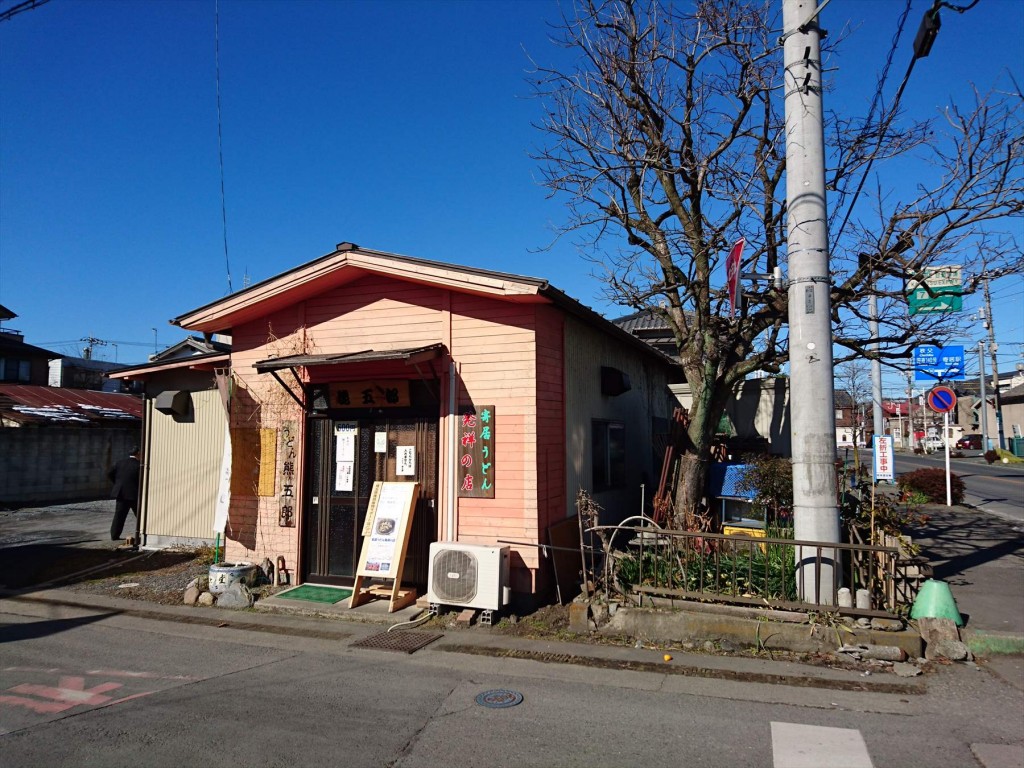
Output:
(892, 113)
(220, 139)
(876, 99)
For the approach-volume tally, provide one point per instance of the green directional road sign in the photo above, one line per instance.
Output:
(940, 291)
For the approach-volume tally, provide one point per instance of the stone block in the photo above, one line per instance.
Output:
(579, 618)
(191, 594)
(953, 650)
(887, 625)
(205, 599)
(235, 595)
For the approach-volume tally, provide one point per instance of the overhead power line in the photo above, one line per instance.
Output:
(14, 10)
(926, 34)
(220, 140)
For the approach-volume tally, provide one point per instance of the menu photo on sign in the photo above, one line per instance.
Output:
(386, 528)
(476, 431)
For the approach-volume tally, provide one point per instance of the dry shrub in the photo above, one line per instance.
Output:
(932, 483)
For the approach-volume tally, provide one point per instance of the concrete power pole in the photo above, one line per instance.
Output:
(876, 365)
(992, 349)
(812, 410)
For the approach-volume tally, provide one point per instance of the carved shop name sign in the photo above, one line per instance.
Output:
(370, 394)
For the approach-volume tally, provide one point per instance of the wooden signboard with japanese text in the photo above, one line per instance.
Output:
(476, 433)
(385, 540)
(391, 393)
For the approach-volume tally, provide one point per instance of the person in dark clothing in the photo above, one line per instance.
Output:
(125, 477)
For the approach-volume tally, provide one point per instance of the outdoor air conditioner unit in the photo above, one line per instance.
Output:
(468, 575)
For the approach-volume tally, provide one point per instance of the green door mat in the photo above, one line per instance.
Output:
(316, 594)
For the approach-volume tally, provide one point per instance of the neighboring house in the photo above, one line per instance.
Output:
(82, 373)
(852, 420)
(363, 365)
(755, 419)
(192, 346)
(1012, 403)
(58, 444)
(184, 435)
(968, 411)
(21, 363)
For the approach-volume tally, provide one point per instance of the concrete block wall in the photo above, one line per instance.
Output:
(57, 464)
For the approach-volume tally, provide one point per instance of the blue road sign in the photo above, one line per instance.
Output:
(932, 363)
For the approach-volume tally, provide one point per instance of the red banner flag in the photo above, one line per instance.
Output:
(732, 271)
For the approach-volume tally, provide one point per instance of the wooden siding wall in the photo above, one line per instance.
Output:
(586, 350)
(495, 349)
(494, 346)
(551, 399)
(258, 401)
(183, 462)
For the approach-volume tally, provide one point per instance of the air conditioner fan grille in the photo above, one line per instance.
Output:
(455, 576)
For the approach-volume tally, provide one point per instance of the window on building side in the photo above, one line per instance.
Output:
(608, 448)
(12, 369)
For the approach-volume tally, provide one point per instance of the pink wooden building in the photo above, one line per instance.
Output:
(362, 366)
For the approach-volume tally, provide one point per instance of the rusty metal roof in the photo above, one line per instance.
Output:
(28, 403)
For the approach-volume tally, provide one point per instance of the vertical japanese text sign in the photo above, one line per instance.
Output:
(476, 451)
(286, 507)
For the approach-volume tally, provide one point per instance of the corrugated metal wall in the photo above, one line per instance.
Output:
(183, 469)
(586, 350)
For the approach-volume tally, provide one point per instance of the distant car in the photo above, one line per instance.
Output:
(969, 443)
(933, 444)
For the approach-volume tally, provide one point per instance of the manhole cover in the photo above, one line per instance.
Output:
(499, 699)
(405, 642)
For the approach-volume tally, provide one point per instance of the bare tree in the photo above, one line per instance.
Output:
(666, 141)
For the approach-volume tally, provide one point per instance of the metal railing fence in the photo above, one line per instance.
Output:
(763, 571)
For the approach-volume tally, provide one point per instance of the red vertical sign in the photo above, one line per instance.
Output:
(732, 272)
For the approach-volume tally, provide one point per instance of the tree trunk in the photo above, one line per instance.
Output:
(690, 510)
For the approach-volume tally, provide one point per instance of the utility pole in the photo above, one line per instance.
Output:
(987, 322)
(876, 364)
(812, 424)
(981, 393)
(910, 409)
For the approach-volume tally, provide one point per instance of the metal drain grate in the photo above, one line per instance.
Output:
(404, 642)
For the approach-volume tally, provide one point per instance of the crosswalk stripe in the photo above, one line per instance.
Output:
(814, 746)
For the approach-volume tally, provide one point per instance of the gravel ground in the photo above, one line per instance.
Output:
(156, 577)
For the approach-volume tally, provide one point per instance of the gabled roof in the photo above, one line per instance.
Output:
(205, 362)
(1015, 395)
(14, 346)
(6, 314)
(29, 403)
(193, 345)
(349, 262)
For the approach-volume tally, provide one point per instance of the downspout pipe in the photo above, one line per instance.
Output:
(452, 458)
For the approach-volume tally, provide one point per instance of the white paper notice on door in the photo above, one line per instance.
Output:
(345, 441)
(344, 475)
(405, 460)
(380, 442)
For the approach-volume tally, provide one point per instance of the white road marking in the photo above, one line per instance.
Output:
(814, 746)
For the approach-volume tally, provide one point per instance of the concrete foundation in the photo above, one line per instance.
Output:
(735, 628)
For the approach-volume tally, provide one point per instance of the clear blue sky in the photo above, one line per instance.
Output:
(402, 126)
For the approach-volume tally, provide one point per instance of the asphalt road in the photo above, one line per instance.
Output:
(97, 688)
(995, 488)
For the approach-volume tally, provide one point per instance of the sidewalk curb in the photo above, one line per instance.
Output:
(546, 650)
(990, 643)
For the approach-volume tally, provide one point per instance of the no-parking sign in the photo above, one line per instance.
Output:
(941, 399)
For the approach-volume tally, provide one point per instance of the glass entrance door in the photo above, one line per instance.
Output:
(346, 457)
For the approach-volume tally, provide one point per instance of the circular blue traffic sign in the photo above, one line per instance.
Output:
(941, 399)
